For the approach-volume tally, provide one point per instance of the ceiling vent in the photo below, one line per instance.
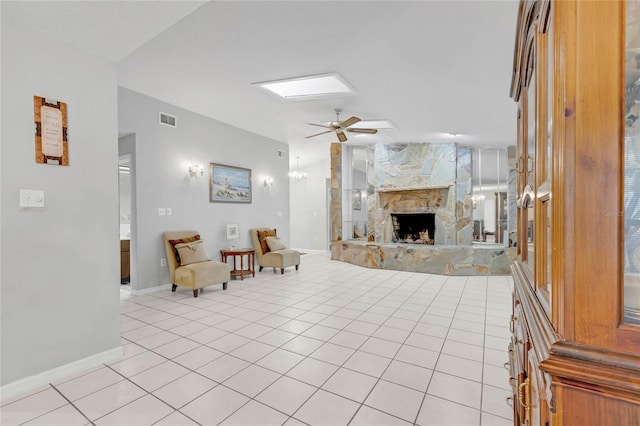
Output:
(168, 119)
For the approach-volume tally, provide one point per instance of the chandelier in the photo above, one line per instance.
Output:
(297, 175)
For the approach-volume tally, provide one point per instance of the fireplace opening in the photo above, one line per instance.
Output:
(414, 228)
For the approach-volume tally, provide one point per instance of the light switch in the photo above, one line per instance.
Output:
(279, 214)
(162, 211)
(31, 198)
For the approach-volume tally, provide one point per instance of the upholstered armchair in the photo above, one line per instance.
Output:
(270, 251)
(190, 265)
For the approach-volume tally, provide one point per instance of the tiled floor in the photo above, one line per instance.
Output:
(331, 344)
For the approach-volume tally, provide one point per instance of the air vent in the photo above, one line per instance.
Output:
(281, 153)
(168, 119)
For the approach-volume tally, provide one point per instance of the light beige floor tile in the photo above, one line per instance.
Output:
(286, 394)
(380, 347)
(252, 380)
(425, 341)
(417, 356)
(460, 367)
(157, 339)
(198, 357)
(455, 389)
(280, 360)
(494, 401)
(463, 350)
(491, 420)
(206, 335)
(408, 375)
(312, 371)
(325, 408)
(184, 390)
(176, 419)
(159, 375)
(348, 339)
(496, 376)
(276, 337)
(367, 363)
(253, 331)
(295, 326)
(392, 334)
(138, 363)
(396, 400)
(31, 406)
(333, 354)
(302, 345)
(350, 384)
(320, 332)
(66, 415)
(144, 411)
(368, 416)
(228, 342)
(176, 347)
(108, 399)
(89, 383)
(440, 412)
(253, 351)
(255, 414)
(214, 406)
(222, 368)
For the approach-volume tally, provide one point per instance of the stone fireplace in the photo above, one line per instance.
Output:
(403, 210)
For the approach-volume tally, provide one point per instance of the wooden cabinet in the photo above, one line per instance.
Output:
(125, 261)
(575, 350)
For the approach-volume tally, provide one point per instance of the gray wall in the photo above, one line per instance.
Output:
(309, 229)
(162, 157)
(60, 263)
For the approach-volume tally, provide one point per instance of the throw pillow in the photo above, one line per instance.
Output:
(182, 241)
(275, 244)
(262, 238)
(192, 252)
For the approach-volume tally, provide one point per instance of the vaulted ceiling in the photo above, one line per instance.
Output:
(433, 68)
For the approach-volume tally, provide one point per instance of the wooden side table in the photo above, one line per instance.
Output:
(241, 253)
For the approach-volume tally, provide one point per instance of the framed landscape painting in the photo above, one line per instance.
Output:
(229, 184)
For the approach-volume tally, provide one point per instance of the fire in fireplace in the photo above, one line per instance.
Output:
(414, 228)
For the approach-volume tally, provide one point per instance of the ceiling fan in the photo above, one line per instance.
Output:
(341, 127)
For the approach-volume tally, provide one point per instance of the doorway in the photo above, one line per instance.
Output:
(127, 211)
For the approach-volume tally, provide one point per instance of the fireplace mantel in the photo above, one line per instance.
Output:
(416, 188)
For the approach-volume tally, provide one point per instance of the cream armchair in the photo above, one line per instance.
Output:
(276, 256)
(200, 271)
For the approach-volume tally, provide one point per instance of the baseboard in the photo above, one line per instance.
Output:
(312, 250)
(150, 290)
(28, 384)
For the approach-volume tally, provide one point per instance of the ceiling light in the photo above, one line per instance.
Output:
(307, 87)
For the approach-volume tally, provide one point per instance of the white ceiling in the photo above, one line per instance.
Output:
(431, 67)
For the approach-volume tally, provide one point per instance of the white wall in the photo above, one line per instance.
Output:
(60, 263)
(309, 229)
(162, 157)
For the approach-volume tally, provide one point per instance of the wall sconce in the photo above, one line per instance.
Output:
(196, 170)
(268, 182)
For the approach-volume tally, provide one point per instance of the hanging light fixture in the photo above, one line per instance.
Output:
(297, 175)
(480, 196)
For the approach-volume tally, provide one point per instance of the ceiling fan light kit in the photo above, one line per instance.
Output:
(340, 127)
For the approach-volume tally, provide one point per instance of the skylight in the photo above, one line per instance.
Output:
(307, 87)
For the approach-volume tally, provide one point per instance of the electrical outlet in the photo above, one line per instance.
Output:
(169, 211)
(162, 211)
(163, 262)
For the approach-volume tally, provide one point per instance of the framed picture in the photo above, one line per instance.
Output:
(232, 231)
(52, 145)
(228, 184)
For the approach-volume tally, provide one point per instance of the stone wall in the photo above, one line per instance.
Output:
(403, 169)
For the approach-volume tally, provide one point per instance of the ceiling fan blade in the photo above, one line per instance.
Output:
(341, 136)
(318, 134)
(349, 122)
(369, 131)
(320, 125)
